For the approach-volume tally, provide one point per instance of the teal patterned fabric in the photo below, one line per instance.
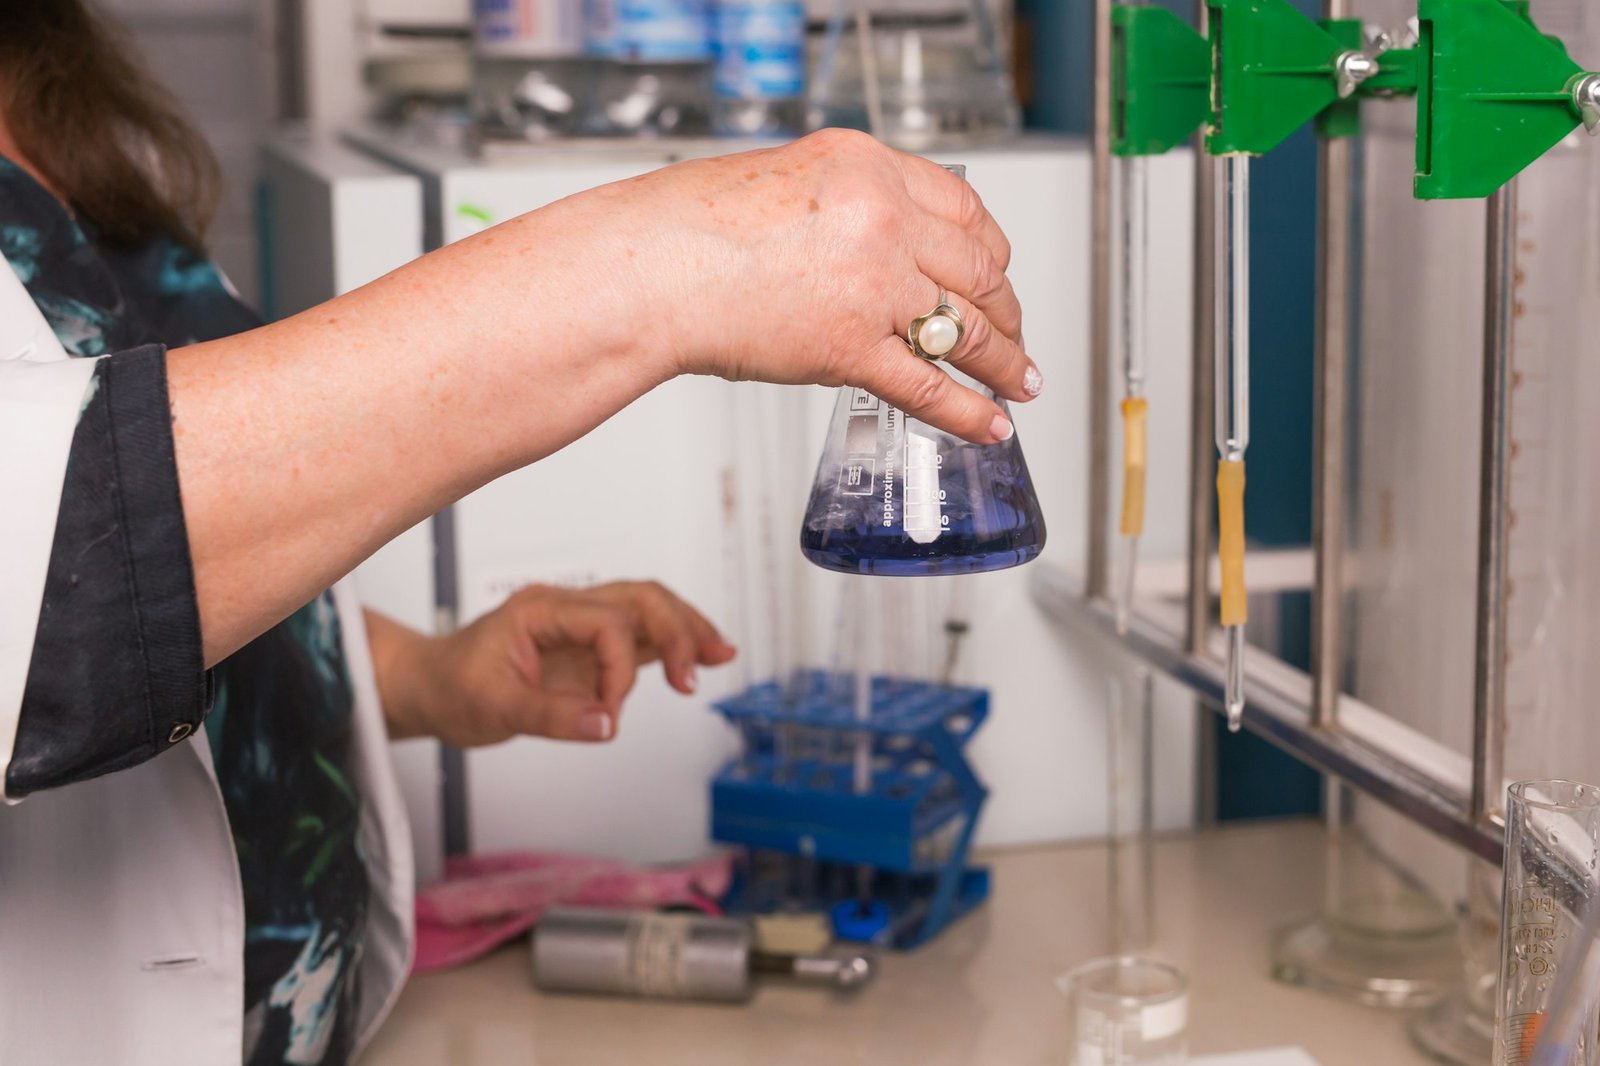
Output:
(280, 730)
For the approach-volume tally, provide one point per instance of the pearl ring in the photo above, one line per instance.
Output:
(936, 334)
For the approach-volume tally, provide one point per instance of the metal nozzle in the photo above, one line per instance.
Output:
(843, 973)
(1234, 694)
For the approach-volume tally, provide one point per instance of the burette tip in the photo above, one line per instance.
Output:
(1234, 686)
(1130, 570)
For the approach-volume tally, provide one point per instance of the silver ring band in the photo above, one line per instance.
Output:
(929, 335)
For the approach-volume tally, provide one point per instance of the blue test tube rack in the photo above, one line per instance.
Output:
(792, 791)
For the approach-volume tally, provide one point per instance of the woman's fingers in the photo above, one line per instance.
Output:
(987, 354)
(680, 635)
(567, 716)
(961, 264)
(667, 631)
(609, 631)
(948, 197)
(925, 392)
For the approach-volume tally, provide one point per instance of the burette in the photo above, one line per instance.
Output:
(1133, 221)
(1232, 359)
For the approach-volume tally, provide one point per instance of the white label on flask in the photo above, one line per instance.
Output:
(665, 31)
(535, 29)
(924, 500)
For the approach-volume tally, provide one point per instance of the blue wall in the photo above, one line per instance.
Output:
(1255, 779)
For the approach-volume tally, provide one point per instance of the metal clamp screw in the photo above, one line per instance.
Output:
(1586, 95)
(1353, 68)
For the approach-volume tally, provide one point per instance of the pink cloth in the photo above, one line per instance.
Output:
(485, 900)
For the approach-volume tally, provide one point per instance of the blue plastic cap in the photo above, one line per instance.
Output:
(864, 926)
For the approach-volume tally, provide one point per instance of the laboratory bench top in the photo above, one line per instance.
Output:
(983, 994)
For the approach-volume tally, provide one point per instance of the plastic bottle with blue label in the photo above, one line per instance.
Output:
(532, 79)
(760, 68)
(655, 66)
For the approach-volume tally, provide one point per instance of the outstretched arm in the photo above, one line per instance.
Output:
(304, 446)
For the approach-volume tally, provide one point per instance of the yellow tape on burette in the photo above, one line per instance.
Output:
(1230, 540)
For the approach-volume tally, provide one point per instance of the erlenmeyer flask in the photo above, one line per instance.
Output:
(897, 497)
(917, 73)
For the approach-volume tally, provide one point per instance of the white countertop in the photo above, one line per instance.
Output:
(983, 994)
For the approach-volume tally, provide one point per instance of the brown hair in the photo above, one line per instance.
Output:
(86, 114)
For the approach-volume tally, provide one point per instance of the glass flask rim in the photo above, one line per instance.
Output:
(1589, 800)
(1072, 982)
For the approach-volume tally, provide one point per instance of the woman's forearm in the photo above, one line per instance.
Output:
(304, 446)
(400, 658)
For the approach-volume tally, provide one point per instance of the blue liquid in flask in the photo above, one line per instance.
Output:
(898, 498)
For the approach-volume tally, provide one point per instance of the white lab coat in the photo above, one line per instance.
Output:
(121, 915)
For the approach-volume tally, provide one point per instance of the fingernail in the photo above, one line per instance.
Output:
(595, 725)
(1001, 429)
(691, 677)
(1033, 381)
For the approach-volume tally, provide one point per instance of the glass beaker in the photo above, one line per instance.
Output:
(1552, 854)
(915, 73)
(1127, 1011)
(1459, 1029)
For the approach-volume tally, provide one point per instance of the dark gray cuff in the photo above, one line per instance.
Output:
(117, 673)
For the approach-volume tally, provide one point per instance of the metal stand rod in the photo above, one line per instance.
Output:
(1279, 714)
(1328, 435)
(446, 617)
(1202, 397)
(1100, 356)
(1197, 602)
(1489, 706)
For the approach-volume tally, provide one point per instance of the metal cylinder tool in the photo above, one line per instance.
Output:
(670, 956)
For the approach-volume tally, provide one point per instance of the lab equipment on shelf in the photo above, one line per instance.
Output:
(655, 74)
(810, 826)
(1127, 1011)
(532, 75)
(919, 74)
(760, 80)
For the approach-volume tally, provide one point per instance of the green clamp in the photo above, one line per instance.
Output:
(1273, 71)
(1160, 80)
(1494, 95)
